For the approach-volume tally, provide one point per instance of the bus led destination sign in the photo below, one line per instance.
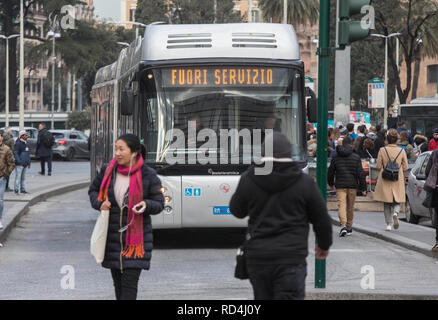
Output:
(225, 76)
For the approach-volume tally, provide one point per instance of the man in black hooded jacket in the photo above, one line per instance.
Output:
(285, 201)
(346, 174)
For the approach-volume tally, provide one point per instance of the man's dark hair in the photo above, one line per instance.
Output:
(350, 127)
(362, 128)
(347, 142)
(401, 124)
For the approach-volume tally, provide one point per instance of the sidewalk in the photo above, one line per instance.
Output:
(414, 237)
(40, 188)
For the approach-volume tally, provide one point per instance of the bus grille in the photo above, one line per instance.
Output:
(254, 40)
(186, 41)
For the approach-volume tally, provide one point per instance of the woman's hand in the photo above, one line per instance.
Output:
(140, 207)
(106, 205)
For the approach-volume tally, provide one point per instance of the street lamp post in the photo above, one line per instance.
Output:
(7, 75)
(21, 123)
(385, 115)
(54, 35)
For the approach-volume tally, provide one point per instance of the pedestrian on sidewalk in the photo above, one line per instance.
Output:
(7, 165)
(280, 207)
(45, 142)
(131, 190)
(9, 141)
(22, 162)
(347, 175)
(433, 164)
(391, 193)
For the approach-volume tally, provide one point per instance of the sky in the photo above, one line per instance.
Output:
(107, 9)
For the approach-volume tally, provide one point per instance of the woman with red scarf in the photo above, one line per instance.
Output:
(131, 191)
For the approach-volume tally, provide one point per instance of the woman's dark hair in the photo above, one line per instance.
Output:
(134, 144)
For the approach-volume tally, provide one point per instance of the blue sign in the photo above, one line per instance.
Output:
(192, 192)
(221, 211)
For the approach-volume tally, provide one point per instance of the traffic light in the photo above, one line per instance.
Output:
(351, 31)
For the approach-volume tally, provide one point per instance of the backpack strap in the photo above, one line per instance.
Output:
(389, 158)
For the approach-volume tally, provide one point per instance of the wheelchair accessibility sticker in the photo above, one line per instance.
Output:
(192, 192)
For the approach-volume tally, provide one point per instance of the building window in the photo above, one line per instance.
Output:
(432, 73)
(132, 15)
(255, 16)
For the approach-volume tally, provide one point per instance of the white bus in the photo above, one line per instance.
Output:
(222, 77)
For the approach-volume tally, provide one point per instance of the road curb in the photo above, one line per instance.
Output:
(413, 245)
(366, 296)
(23, 207)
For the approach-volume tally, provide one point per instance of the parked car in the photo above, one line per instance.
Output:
(415, 194)
(31, 140)
(70, 144)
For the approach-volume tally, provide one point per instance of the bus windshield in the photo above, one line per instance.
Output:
(220, 113)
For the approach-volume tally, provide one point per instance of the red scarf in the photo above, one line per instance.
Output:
(134, 234)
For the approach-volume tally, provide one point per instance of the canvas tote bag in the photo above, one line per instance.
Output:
(98, 238)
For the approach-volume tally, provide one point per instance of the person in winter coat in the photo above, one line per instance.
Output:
(131, 190)
(7, 165)
(434, 161)
(43, 151)
(346, 174)
(405, 145)
(285, 202)
(9, 141)
(22, 162)
(433, 144)
(421, 145)
(391, 193)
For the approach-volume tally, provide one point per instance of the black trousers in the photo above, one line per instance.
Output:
(43, 164)
(278, 282)
(126, 283)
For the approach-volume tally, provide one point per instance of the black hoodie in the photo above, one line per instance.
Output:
(289, 200)
(345, 171)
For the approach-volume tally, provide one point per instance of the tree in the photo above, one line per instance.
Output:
(79, 120)
(186, 11)
(299, 11)
(417, 20)
(10, 22)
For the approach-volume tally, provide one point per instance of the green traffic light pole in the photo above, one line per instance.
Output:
(323, 97)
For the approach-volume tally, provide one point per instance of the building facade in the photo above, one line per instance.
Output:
(127, 12)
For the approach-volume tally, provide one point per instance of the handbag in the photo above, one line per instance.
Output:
(99, 235)
(428, 201)
(240, 270)
(430, 184)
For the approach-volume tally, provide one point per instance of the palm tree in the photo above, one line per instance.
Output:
(299, 11)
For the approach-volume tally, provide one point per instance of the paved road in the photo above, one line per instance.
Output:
(54, 237)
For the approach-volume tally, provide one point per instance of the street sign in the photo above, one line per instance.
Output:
(376, 94)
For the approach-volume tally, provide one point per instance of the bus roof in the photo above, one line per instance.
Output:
(422, 101)
(234, 40)
(196, 41)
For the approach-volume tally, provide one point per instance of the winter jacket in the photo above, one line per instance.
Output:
(7, 161)
(345, 171)
(289, 200)
(9, 141)
(41, 150)
(21, 153)
(433, 157)
(433, 145)
(154, 199)
(390, 191)
(408, 148)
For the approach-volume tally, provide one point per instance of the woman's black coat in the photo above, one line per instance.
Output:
(115, 244)
(433, 157)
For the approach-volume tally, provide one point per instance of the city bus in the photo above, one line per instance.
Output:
(202, 80)
(420, 116)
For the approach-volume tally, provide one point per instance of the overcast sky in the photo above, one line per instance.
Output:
(107, 9)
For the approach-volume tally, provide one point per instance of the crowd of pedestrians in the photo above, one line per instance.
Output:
(390, 150)
(15, 156)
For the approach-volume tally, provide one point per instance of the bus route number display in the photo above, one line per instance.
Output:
(224, 77)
